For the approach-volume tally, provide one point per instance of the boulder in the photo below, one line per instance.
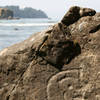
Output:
(60, 63)
(6, 13)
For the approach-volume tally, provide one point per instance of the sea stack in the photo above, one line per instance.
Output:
(6, 13)
(60, 63)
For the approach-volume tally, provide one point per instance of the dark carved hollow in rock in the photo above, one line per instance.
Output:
(61, 53)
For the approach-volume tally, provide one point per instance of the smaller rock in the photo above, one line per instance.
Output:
(16, 29)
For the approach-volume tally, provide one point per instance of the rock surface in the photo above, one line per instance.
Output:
(5, 13)
(60, 63)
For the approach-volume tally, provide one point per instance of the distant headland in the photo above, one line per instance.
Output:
(27, 12)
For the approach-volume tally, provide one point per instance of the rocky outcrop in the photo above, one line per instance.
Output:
(5, 13)
(75, 13)
(60, 63)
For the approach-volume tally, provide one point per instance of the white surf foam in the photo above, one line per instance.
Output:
(26, 24)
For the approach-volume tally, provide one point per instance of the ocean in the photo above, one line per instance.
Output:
(15, 31)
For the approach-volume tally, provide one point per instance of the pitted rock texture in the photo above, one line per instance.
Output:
(64, 86)
(60, 63)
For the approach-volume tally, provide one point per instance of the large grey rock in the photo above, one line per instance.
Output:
(60, 63)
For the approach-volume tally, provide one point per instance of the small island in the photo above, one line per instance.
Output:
(26, 12)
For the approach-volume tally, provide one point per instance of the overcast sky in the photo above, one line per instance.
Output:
(53, 8)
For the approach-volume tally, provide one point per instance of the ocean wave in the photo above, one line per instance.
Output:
(26, 24)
